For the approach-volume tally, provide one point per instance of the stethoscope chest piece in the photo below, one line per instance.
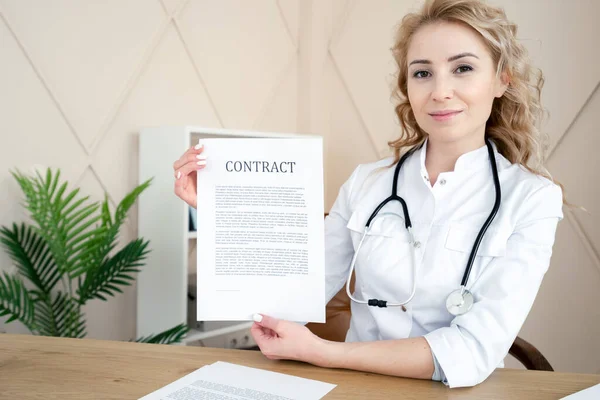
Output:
(459, 302)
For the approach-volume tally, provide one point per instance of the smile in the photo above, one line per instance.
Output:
(444, 115)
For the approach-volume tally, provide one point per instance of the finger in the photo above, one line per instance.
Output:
(269, 333)
(189, 154)
(256, 329)
(188, 168)
(190, 159)
(268, 322)
(183, 178)
(260, 334)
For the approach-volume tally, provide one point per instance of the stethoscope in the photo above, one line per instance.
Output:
(460, 301)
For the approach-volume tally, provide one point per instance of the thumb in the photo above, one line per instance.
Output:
(266, 321)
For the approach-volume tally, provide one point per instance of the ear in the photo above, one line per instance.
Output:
(502, 84)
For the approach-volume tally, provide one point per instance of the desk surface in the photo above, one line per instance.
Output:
(56, 368)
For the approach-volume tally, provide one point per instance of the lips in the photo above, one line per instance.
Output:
(444, 115)
(445, 112)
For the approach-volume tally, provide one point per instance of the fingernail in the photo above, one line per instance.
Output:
(258, 317)
(201, 162)
(198, 146)
(200, 157)
(178, 174)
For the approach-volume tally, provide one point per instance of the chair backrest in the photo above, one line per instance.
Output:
(337, 314)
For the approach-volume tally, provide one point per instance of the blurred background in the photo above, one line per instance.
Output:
(79, 79)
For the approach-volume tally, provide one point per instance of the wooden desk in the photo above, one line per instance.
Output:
(53, 368)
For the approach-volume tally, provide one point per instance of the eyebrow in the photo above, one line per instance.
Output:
(453, 58)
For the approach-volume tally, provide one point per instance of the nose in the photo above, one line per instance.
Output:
(442, 89)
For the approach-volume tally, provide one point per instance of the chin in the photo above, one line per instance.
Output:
(447, 135)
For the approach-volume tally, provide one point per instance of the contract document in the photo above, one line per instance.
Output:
(591, 393)
(225, 381)
(260, 230)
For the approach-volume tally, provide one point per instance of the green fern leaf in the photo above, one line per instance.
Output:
(15, 301)
(106, 218)
(60, 223)
(45, 318)
(173, 335)
(113, 225)
(128, 201)
(70, 321)
(31, 255)
(117, 268)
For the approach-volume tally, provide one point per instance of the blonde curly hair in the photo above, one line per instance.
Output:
(514, 121)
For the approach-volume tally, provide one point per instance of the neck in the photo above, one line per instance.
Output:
(442, 156)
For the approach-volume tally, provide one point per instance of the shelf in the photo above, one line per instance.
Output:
(195, 334)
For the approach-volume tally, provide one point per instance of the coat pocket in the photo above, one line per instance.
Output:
(385, 224)
(461, 238)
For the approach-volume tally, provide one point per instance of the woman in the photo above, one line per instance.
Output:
(463, 82)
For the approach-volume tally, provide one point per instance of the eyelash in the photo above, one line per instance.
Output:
(469, 68)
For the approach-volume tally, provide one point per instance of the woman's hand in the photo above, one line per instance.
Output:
(285, 340)
(185, 170)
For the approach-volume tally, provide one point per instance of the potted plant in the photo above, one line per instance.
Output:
(68, 256)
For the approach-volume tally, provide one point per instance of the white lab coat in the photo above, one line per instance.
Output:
(506, 275)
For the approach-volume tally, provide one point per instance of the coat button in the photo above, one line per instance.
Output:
(442, 182)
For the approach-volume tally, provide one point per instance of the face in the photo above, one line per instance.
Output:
(451, 82)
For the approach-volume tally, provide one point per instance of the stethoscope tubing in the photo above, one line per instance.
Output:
(414, 273)
(408, 226)
(489, 219)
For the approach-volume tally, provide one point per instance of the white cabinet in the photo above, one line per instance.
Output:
(163, 219)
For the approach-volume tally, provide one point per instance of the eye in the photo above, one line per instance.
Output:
(464, 68)
(421, 74)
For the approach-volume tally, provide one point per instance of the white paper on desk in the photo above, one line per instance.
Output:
(591, 393)
(260, 230)
(225, 381)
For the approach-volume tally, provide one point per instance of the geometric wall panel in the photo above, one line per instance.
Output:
(31, 131)
(575, 164)
(290, 11)
(240, 70)
(339, 11)
(85, 51)
(362, 53)
(281, 110)
(171, 6)
(563, 42)
(168, 92)
(348, 143)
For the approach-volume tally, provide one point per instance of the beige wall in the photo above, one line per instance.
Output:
(78, 79)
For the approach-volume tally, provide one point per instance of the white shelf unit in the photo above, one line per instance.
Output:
(163, 219)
